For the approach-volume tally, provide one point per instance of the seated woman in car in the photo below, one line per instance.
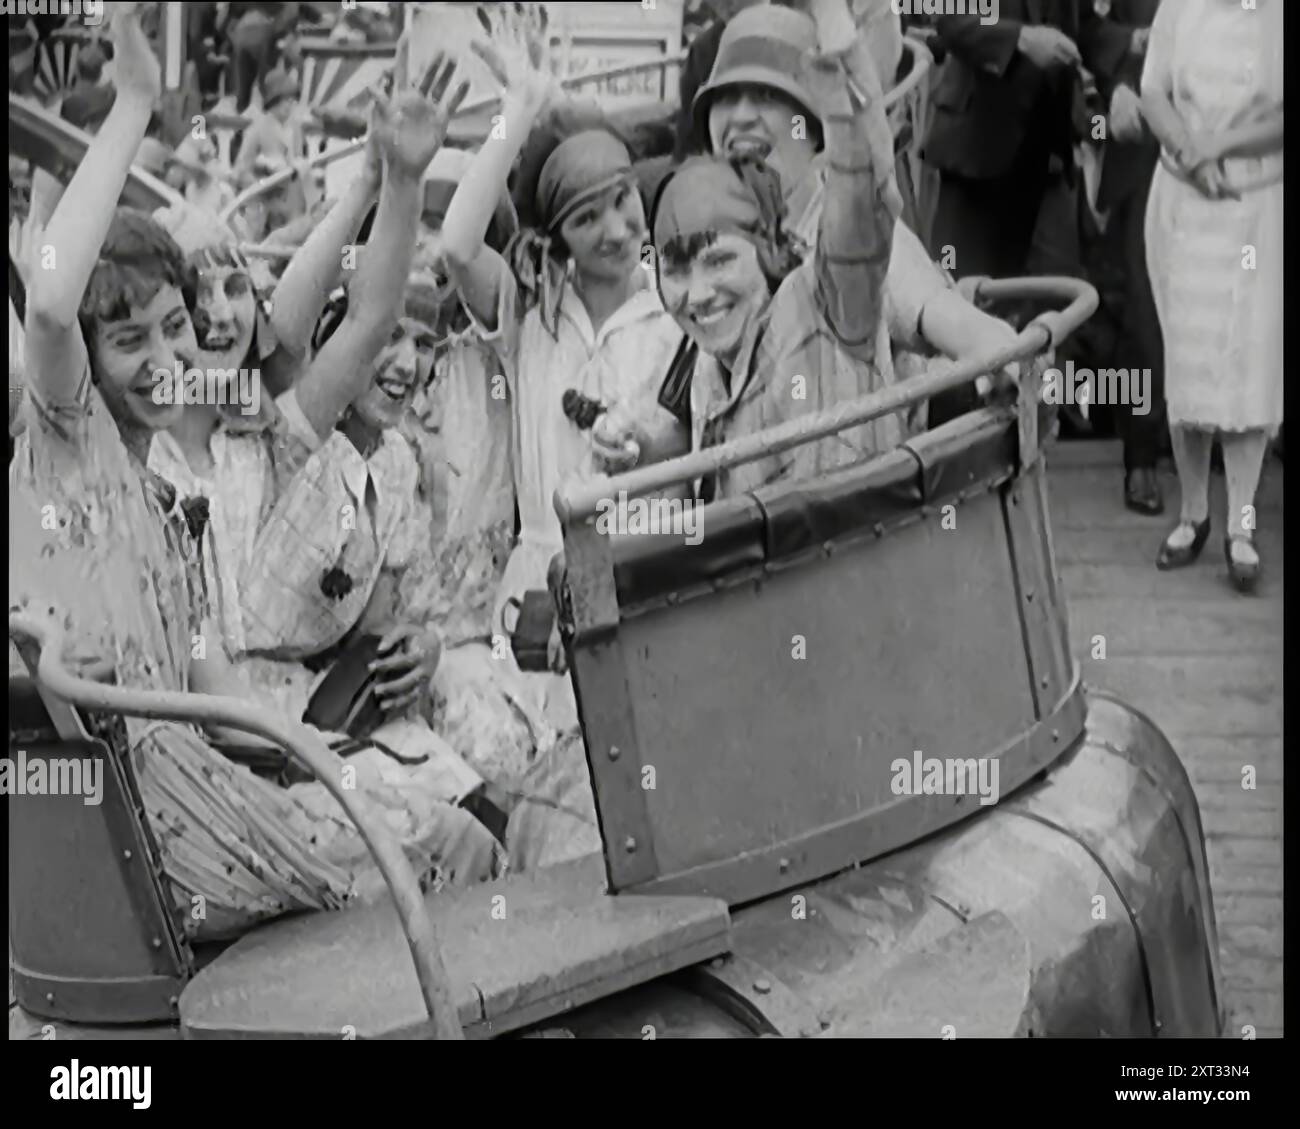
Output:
(349, 555)
(95, 535)
(779, 338)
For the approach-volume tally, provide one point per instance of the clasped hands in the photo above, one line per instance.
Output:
(1200, 159)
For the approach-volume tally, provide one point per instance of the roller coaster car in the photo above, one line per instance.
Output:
(761, 874)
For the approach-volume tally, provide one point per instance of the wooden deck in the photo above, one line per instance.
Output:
(1206, 665)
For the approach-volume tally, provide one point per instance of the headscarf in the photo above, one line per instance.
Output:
(579, 169)
(741, 197)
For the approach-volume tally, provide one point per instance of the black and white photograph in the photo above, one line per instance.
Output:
(660, 519)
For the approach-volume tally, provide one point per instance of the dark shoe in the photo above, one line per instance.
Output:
(1170, 557)
(1243, 576)
(1142, 492)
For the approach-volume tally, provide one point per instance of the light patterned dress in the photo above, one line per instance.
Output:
(90, 534)
(250, 466)
(342, 514)
(623, 363)
(1220, 63)
(461, 428)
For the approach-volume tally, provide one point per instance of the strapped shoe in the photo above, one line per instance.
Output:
(1243, 574)
(1178, 556)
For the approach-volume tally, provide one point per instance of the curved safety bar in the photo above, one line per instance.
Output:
(281, 251)
(919, 72)
(283, 176)
(307, 750)
(577, 500)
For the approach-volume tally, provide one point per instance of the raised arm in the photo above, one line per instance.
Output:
(856, 234)
(411, 129)
(315, 269)
(56, 354)
(474, 267)
(250, 148)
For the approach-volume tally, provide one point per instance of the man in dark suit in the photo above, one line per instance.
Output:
(1007, 113)
(1129, 161)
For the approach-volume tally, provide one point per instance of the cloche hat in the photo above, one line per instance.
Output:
(763, 46)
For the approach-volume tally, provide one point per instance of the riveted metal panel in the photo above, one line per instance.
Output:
(772, 712)
(597, 656)
(1042, 607)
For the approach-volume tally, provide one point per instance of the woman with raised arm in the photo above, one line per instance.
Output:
(756, 101)
(577, 316)
(776, 339)
(96, 535)
(239, 453)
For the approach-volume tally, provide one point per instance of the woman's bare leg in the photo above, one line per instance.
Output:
(1243, 461)
(1192, 458)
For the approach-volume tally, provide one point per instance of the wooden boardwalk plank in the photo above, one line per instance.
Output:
(1206, 665)
(1133, 625)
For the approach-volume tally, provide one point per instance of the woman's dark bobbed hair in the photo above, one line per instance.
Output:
(137, 258)
(781, 253)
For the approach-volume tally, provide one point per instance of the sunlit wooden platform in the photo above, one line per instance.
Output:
(1206, 664)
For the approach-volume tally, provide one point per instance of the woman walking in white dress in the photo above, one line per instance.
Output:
(1212, 93)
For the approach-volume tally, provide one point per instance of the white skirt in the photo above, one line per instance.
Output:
(1216, 273)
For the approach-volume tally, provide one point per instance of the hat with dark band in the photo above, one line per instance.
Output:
(763, 46)
(277, 86)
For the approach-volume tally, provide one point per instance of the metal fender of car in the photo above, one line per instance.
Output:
(1096, 873)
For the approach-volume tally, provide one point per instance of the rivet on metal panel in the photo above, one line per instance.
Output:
(1045, 681)
(784, 865)
(614, 752)
(1029, 595)
(762, 987)
(828, 547)
(672, 599)
(1056, 734)
(719, 962)
(49, 997)
(173, 1001)
(629, 844)
(156, 942)
(879, 529)
(126, 854)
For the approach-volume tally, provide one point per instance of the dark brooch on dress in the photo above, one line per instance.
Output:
(582, 410)
(195, 510)
(336, 583)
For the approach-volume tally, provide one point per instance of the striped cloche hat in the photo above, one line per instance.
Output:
(762, 46)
